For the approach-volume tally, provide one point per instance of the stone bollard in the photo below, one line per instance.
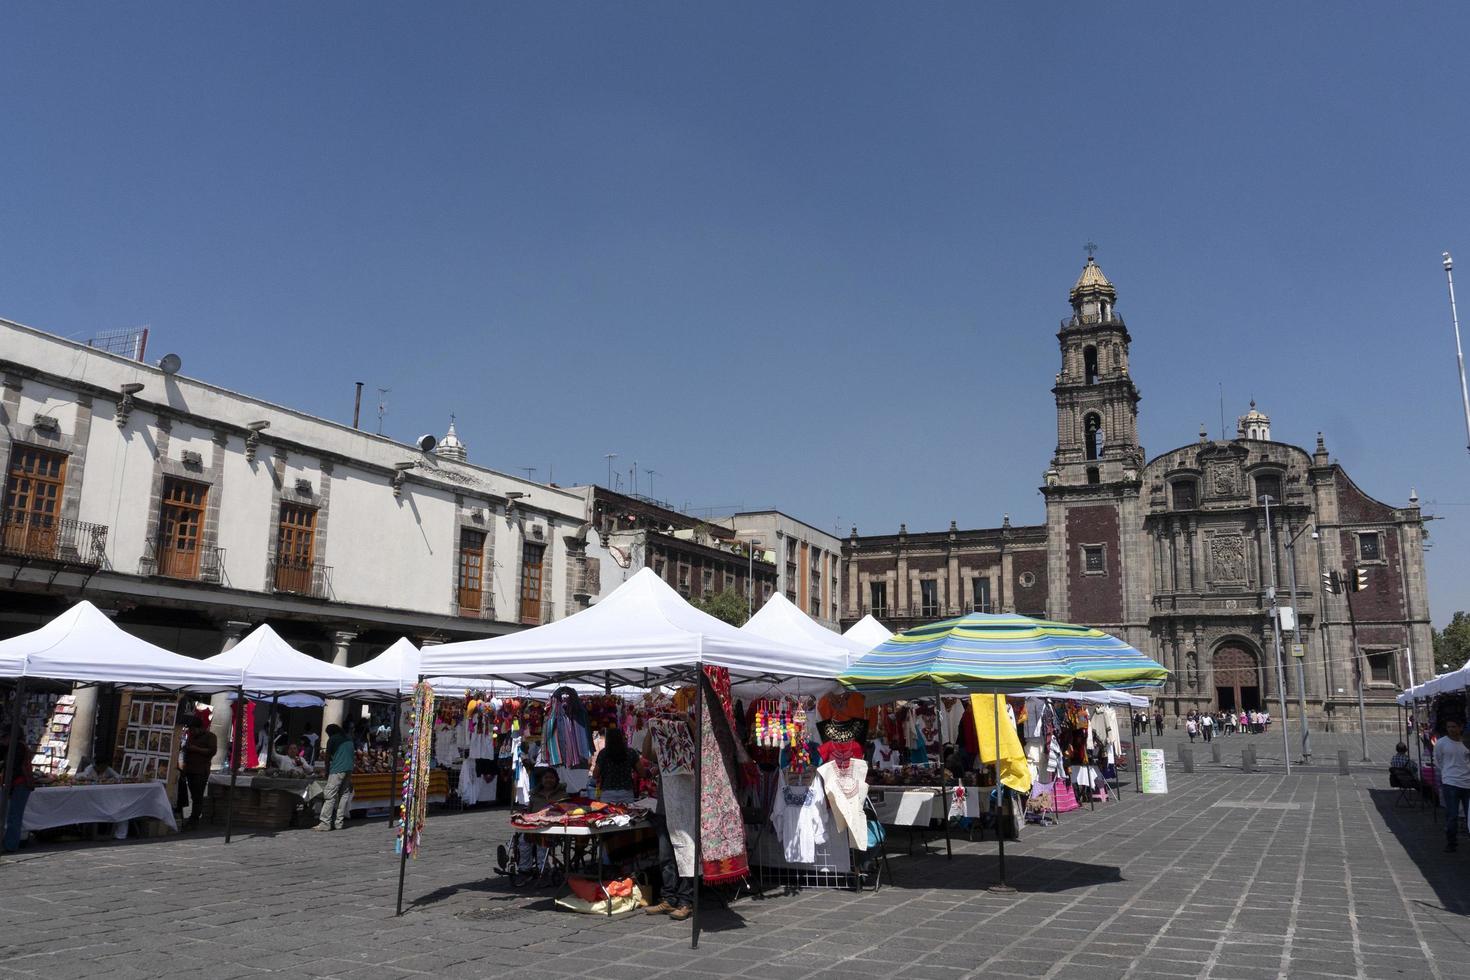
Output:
(1342, 763)
(1186, 759)
(1215, 752)
(1248, 759)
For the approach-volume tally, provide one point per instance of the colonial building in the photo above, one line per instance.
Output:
(193, 513)
(1176, 554)
(808, 560)
(698, 558)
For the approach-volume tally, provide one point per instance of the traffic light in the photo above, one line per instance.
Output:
(1330, 583)
(1360, 579)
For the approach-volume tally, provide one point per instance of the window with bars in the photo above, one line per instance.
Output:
(33, 491)
(471, 571)
(1368, 546)
(929, 597)
(1184, 494)
(181, 527)
(1094, 559)
(878, 599)
(981, 602)
(296, 549)
(707, 582)
(533, 557)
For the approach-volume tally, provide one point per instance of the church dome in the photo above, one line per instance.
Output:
(1254, 424)
(450, 447)
(1093, 282)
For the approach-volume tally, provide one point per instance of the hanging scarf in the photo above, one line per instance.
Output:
(250, 759)
(721, 827)
(413, 803)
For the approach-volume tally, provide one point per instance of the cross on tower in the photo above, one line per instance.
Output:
(1091, 247)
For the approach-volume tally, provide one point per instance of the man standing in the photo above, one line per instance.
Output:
(1158, 721)
(1452, 770)
(340, 752)
(199, 752)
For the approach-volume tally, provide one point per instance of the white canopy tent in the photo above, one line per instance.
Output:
(86, 647)
(402, 660)
(782, 620)
(642, 635)
(868, 632)
(268, 665)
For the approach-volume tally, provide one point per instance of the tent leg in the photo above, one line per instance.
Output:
(397, 741)
(1000, 796)
(698, 801)
(943, 781)
(12, 753)
(237, 750)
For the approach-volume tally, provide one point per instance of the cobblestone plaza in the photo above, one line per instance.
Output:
(1231, 875)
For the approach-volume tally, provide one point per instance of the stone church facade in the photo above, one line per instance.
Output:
(1174, 554)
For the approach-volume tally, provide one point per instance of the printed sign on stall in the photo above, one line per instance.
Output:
(1151, 772)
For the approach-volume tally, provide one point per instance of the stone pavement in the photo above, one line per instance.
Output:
(1231, 875)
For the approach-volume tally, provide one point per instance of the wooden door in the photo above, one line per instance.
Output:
(33, 488)
(295, 548)
(471, 571)
(181, 528)
(531, 572)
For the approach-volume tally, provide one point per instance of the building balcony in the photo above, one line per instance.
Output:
(40, 537)
(1112, 319)
(199, 565)
(298, 577)
(469, 603)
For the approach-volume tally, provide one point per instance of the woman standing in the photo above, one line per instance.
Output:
(615, 771)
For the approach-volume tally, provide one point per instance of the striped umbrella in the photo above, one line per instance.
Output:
(1000, 654)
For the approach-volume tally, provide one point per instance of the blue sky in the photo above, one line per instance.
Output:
(810, 255)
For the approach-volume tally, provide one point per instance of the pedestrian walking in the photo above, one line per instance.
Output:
(337, 801)
(1207, 727)
(1158, 721)
(1452, 770)
(1191, 728)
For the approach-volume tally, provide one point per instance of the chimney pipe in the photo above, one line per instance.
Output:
(357, 406)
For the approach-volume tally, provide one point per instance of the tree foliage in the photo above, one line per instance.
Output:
(728, 605)
(1452, 644)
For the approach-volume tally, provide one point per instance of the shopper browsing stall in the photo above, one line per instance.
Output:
(615, 773)
(199, 753)
(341, 754)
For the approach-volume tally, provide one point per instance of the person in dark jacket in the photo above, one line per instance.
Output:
(21, 784)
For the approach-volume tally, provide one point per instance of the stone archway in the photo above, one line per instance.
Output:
(1236, 672)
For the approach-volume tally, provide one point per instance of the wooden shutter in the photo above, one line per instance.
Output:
(181, 527)
(33, 489)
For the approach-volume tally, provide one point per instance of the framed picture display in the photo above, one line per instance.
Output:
(147, 740)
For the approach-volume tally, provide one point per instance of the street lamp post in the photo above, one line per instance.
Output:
(1449, 265)
(750, 545)
(1296, 642)
(1276, 639)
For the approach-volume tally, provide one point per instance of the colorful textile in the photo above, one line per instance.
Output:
(567, 739)
(673, 748)
(1014, 773)
(413, 804)
(721, 826)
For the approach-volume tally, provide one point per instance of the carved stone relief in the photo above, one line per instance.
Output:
(1224, 479)
(1227, 558)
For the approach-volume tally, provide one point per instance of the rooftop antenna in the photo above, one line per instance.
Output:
(382, 407)
(1222, 410)
(633, 477)
(530, 472)
(650, 473)
(609, 457)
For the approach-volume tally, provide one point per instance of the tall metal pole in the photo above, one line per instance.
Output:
(237, 753)
(1276, 639)
(1449, 265)
(1296, 645)
(943, 776)
(1350, 585)
(699, 709)
(1000, 796)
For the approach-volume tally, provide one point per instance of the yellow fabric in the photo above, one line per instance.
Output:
(1014, 773)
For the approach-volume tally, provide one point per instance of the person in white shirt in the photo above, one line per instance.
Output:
(98, 769)
(291, 761)
(1452, 769)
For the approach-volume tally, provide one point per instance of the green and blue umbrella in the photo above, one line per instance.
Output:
(1001, 654)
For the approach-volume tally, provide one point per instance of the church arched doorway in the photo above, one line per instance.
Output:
(1237, 678)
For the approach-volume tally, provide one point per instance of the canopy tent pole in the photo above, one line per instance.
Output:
(238, 751)
(12, 752)
(943, 778)
(1137, 763)
(270, 731)
(1150, 725)
(1000, 796)
(396, 741)
(698, 798)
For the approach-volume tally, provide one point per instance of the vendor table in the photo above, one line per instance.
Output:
(115, 803)
(595, 835)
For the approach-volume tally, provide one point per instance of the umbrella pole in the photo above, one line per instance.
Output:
(943, 781)
(1000, 832)
(12, 752)
(239, 750)
(698, 800)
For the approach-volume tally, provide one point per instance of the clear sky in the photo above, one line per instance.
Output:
(794, 254)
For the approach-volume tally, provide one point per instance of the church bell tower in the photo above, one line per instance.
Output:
(1097, 403)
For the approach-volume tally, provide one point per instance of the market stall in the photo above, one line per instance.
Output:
(83, 646)
(645, 636)
(868, 632)
(66, 805)
(997, 654)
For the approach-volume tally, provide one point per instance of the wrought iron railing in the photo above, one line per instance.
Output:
(197, 565)
(299, 577)
(469, 602)
(59, 539)
(1093, 320)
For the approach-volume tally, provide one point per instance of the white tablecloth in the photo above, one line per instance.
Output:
(63, 806)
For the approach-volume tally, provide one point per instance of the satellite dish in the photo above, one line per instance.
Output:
(171, 363)
(427, 442)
